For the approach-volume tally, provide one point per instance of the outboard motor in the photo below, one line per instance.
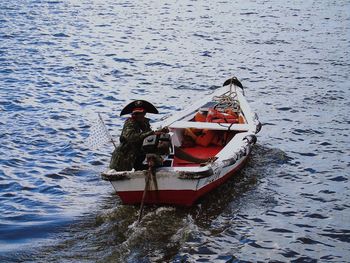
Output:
(157, 144)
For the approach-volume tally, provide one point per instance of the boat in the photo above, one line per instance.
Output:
(190, 170)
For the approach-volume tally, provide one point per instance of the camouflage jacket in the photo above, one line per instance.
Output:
(130, 148)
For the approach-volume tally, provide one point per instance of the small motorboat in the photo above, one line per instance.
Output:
(196, 163)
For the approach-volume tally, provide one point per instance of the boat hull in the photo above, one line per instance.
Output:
(177, 197)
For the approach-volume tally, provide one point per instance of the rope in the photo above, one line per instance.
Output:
(227, 101)
(150, 174)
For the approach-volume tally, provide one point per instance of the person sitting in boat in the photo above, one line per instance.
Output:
(129, 154)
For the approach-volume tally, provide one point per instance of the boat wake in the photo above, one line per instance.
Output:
(165, 232)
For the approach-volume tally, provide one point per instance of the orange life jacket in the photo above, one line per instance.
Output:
(200, 117)
(205, 138)
(219, 117)
(208, 137)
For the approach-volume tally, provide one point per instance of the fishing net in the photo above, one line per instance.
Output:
(99, 134)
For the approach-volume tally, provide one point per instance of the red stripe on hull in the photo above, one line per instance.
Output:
(175, 197)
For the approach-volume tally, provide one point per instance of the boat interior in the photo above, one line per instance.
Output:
(200, 135)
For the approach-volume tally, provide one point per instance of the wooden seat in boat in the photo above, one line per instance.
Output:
(209, 126)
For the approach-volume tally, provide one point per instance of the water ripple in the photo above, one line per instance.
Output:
(61, 62)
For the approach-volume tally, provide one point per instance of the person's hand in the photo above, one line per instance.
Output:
(165, 130)
(162, 130)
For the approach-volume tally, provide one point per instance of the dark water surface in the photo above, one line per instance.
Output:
(61, 62)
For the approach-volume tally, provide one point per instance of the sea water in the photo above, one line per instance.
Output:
(64, 61)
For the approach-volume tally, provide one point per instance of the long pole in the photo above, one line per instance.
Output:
(144, 193)
(149, 174)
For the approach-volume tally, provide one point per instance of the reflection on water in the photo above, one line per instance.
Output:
(61, 62)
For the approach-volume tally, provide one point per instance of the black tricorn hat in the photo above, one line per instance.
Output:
(139, 104)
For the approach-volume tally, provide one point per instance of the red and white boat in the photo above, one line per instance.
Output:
(182, 181)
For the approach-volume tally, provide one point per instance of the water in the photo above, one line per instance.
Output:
(61, 62)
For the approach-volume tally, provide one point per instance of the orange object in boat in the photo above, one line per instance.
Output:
(229, 111)
(210, 137)
(241, 119)
(218, 117)
(200, 117)
(205, 138)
